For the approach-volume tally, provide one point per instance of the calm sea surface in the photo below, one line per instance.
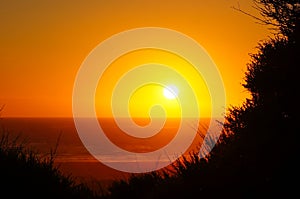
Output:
(46, 134)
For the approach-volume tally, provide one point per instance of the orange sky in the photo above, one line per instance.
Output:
(43, 43)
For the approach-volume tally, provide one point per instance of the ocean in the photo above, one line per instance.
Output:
(44, 135)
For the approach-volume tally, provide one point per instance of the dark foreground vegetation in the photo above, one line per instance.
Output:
(24, 173)
(256, 155)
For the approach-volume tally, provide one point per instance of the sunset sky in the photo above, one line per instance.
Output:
(43, 44)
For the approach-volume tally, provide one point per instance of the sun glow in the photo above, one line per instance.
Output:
(177, 80)
(171, 92)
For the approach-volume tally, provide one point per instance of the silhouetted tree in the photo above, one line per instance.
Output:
(260, 137)
(282, 15)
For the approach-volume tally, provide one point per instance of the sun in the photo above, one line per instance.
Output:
(171, 92)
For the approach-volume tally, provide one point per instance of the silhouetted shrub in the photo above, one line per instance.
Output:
(26, 174)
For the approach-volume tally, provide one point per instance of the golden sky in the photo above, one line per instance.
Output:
(43, 44)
